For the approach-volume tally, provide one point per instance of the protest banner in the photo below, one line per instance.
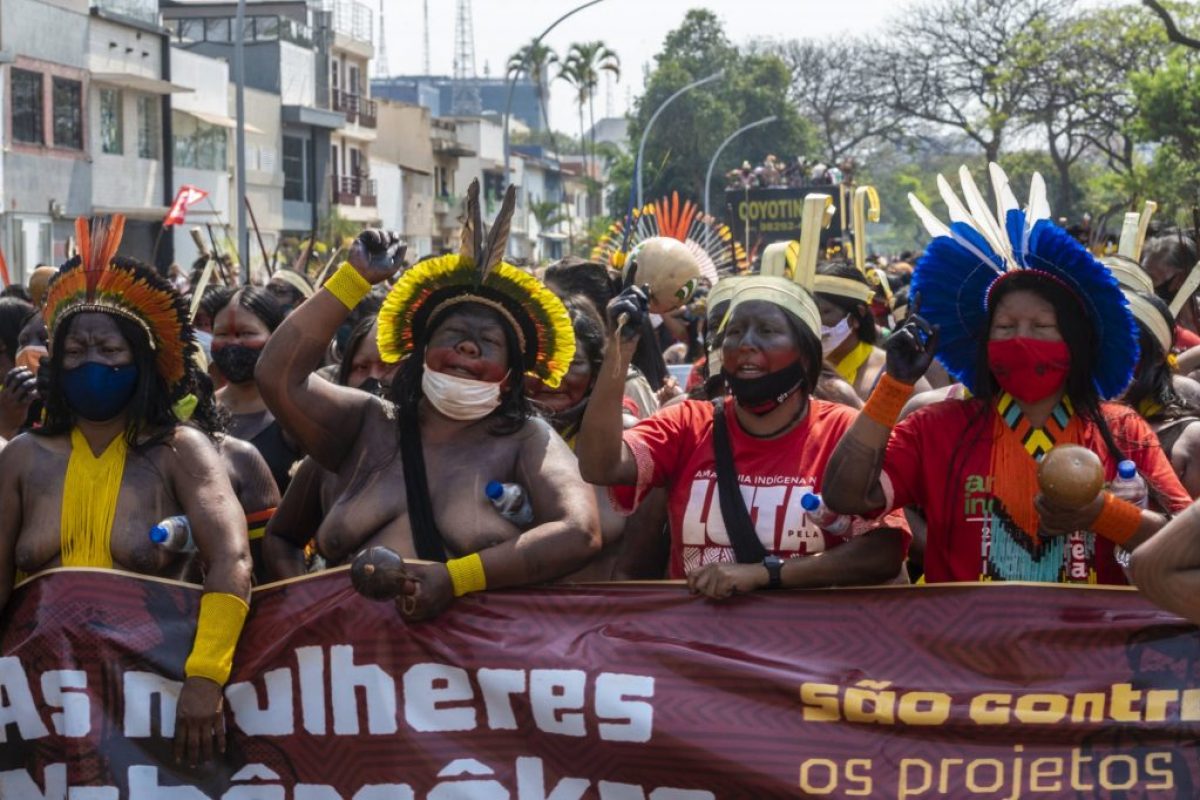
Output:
(619, 692)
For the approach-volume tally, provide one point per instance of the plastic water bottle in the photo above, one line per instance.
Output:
(1129, 485)
(174, 534)
(825, 518)
(511, 501)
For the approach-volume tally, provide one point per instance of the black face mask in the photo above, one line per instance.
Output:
(237, 362)
(373, 386)
(763, 395)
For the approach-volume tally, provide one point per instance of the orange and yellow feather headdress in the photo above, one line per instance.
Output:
(99, 280)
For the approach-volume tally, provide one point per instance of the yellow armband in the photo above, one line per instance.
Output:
(221, 619)
(348, 286)
(466, 574)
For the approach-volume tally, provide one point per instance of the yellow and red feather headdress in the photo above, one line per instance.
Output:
(477, 274)
(98, 280)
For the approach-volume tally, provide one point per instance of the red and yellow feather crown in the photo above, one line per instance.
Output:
(99, 280)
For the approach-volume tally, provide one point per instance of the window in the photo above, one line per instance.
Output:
(197, 144)
(111, 139)
(27, 106)
(295, 168)
(191, 30)
(266, 29)
(68, 113)
(148, 127)
(217, 30)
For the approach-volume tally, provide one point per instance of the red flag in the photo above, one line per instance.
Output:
(188, 195)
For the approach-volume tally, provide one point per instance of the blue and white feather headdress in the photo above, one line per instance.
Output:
(966, 259)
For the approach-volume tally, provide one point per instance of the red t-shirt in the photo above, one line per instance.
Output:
(674, 448)
(1185, 339)
(939, 459)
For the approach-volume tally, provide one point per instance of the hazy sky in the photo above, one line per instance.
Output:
(633, 28)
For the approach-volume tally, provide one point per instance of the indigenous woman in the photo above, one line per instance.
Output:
(243, 321)
(465, 329)
(314, 489)
(736, 471)
(848, 331)
(1039, 332)
(1164, 399)
(112, 460)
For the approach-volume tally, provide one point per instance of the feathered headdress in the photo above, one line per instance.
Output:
(478, 274)
(968, 257)
(99, 280)
(709, 240)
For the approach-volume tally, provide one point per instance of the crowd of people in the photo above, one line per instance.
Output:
(841, 428)
(778, 173)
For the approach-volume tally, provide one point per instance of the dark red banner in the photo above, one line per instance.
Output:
(613, 692)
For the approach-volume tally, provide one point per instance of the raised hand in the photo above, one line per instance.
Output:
(911, 348)
(627, 310)
(18, 392)
(377, 254)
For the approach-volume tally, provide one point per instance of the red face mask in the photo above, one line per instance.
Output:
(1029, 369)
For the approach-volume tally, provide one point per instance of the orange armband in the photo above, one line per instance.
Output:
(1119, 519)
(256, 523)
(887, 400)
(222, 616)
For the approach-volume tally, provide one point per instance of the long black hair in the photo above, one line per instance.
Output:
(14, 313)
(150, 413)
(1153, 377)
(859, 311)
(257, 301)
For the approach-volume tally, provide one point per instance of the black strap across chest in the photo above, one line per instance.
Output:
(738, 525)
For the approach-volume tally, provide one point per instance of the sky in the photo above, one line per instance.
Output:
(635, 29)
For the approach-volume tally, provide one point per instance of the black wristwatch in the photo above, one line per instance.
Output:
(774, 565)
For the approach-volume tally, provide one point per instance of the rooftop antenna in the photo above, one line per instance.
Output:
(465, 100)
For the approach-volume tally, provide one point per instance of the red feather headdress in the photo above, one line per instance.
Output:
(99, 280)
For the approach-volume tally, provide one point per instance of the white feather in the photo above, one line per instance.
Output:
(958, 212)
(1006, 201)
(932, 224)
(985, 222)
(1039, 205)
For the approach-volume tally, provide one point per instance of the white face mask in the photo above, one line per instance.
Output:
(832, 338)
(459, 398)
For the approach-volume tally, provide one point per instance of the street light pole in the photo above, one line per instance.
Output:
(512, 78)
(239, 72)
(712, 164)
(642, 145)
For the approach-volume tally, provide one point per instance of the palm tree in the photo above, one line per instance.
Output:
(535, 60)
(586, 61)
(572, 72)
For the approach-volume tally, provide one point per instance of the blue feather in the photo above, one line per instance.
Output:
(1014, 225)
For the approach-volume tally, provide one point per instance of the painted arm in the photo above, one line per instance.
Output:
(1166, 569)
(12, 467)
(323, 418)
(604, 459)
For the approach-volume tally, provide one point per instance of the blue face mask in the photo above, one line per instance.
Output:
(98, 392)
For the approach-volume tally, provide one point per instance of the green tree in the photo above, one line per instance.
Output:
(535, 60)
(684, 138)
(582, 68)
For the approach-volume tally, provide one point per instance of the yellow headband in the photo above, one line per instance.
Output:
(781, 292)
(843, 287)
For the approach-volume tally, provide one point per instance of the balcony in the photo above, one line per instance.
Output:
(349, 191)
(356, 108)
